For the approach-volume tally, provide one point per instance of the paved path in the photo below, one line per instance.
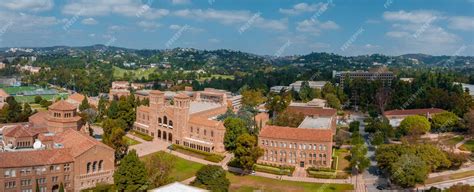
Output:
(449, 183)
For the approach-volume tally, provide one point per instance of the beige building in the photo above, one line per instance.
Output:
(185, 121)
(53, 149)
(3, 97)
(395, 117)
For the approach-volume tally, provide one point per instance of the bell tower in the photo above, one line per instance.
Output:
(181, 107)
(157, 100)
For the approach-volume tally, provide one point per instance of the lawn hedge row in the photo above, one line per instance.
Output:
(212, 157)
(277, 170)
(142, 135)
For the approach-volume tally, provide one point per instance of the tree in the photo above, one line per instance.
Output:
(84, 104)
(38, 99)
(278, 103)
(213, 178)
(444, 122)
(26, 113)
(354, 126)
(252, 98)
(415, 125)
(61, 187)
(469, 122)
(306, 93)
(247, 151)
(378, 138)
(234, 128)
(333, 101)
(102, 108)
(432, 156)
(113, 109)
(358, 153)
(409, 170)
(131, 175)
(159, 168)
(288, 119)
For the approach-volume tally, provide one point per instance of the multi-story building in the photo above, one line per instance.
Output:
(298, 147)
(3, 97)
(297, 86)
(184, 121)
(381, 75)
(53, 148)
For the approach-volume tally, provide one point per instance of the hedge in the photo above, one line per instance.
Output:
(282, 170)
(142, 135)
(212, 157)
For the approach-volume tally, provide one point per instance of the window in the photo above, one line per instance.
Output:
(54, 179)
(10, 173)
(171, 123)
(66, 177)
(94, 166)
(100, 165)
(191, 129)
(25, 171)
(41, 180)
(212, 133)
(67, 167)
(197, 130)
(25, 182)
(88, 167)
(10, 184)
(27, 190)
(159, 120)
(205, 132)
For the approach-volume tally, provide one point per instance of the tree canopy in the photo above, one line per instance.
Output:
(131, 175)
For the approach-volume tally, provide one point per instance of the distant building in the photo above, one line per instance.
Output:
(297, 86)
(120, 85)
(382, 75)
(409, 80)
(395, 117)
(10, 81)
(2, 65)
(77, 98)
(53, 148)
(468, 87)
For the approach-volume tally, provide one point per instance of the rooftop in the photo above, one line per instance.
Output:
(301, 134)
(414, 111)
(312, 111)
(177, 187)
(198, 106)
(316, 123)
(35, 158)
(62, 106)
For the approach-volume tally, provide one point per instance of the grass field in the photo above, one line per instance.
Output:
(468, 146)
(138, 73)
(14, 90)
(450, 177)
(250, 183)
(217, 76)
(31, 98)
(130, 141)
(343, 165)
(183, 169)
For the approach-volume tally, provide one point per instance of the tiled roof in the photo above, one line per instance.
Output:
(18, 131)
(156, 92)
(78, 142)
(39, 119)
(303, 134)
(181, 96)
(34, 158)
(3, 93)
(76, 97)
(62, 106)
(307, 111)
(414, 111)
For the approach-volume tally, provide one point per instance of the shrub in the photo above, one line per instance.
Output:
(142, 135)
(216, 158)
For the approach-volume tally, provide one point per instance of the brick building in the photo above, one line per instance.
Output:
(51, 149)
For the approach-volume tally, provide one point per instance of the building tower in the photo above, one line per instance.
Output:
(157, 100)
(62, 115)
(182, 103)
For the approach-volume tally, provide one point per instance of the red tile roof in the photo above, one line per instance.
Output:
(77, 142)
(38, 119)
(199, 120)
(19, 131)
(308, 111)
(62, 106)
(76, 97)
(181, 96)
(414, 111)
(303, 134)
(156, 92)
(3, 93)
(34, 158)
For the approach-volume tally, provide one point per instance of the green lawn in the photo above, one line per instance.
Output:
(14, 90)
(231, 77)
(31, 98)
(468, 146)
(250, 183)
(454, 140)
(137, 73)
(183, 169)
(130, 141)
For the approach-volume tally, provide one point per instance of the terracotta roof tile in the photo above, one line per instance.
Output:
(3, 93)
(35, 158)
(19, 131)
(414, 111)
(62, 106)
(278, 132)
(156, 92)
(78, 142)
(199, 120)
(308, 111)
(76, 97)
(181, 96)
(38, 119)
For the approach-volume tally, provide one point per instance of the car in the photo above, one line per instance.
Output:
(380, 187)
(252, 173)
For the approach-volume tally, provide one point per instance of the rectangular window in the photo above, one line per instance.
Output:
(10, 184)
(67, 167)
(54, 179)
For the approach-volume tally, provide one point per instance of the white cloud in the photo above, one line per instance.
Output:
(229, 17)
(302, 8)
(188, 28)
(180, 2)
(315, 27)
(214, 40)
(89, 21)
(420, 16)
(397, 34)
(148, 25)
(21, 21)
(92, 35)
(129, 8)
(28, 5)
(462, 23)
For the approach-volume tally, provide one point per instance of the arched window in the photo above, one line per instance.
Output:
(88, 167)
(191, 129)
(159, 120)
(171, 123)
(164, 135)
(101, 165)
(159, 134)
(212, 133)
(165, 120)
(170, 137)
(205, 132)
(94, 166)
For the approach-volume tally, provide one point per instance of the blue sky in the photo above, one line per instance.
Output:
(270, 27)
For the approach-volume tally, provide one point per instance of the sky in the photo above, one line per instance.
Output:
(265, 27)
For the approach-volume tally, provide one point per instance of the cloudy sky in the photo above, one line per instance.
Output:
(272, 27)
